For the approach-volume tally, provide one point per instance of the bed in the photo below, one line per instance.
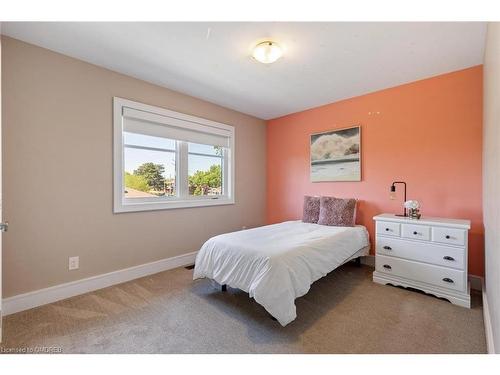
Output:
(275, 264)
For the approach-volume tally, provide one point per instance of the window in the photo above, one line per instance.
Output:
(205, 169)
(164, 159)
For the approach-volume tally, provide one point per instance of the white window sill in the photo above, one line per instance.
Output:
(174, 204)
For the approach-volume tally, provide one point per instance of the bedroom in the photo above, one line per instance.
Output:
(246, 187)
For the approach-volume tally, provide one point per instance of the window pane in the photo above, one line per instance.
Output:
(134, 139)
(205, 149)
(205, 175)
(149, 173)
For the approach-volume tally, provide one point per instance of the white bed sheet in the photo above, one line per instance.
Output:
(278, 263)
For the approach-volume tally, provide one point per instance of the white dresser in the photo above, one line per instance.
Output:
(429, 254)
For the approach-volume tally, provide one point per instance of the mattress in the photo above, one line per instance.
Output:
(278, 263)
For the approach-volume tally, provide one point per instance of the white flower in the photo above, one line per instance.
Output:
(412, 204)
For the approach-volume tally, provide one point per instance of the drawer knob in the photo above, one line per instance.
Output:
(415, 233)
(448, 258)
(387, 229)
(447, 236)
(448, 280)
(386, 266)
(387, 248)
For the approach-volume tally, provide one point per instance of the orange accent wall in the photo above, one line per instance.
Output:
(427, 133)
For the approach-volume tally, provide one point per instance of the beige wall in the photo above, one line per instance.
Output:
(57, 138)
(491, 176)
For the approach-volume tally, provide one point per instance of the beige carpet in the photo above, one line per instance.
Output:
(345, 312)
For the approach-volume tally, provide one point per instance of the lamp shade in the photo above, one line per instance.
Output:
(392, 194)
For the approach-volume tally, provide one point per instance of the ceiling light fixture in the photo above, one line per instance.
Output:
(267, 52)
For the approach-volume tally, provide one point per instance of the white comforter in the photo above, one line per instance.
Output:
(278, 263)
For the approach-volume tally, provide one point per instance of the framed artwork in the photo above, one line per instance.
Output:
(336, 155)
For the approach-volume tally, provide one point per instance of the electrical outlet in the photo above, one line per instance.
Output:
(74, 263)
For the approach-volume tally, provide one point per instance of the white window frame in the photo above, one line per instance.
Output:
(182, 198)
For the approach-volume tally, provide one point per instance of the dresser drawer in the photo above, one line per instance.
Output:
(450, 236)
(424, 252)
(439, 276)
(388, 228)
(417, 232)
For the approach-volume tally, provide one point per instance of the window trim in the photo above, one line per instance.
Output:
(183, 200)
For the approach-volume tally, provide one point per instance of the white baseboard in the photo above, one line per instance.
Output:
(490, 343)
(55, 293)
(476, 282)
(368, 260)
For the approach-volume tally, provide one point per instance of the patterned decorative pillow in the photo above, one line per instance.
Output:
(311, 209)
(337, 212)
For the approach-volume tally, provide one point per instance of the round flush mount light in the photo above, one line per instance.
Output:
(267, 52)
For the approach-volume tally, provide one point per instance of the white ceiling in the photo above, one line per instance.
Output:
(323, 62)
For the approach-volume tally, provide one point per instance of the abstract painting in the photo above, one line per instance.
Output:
(336, 155)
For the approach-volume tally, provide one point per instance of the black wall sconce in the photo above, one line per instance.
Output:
(393, 195)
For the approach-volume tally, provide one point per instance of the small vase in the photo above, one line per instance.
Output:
(413, 213)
